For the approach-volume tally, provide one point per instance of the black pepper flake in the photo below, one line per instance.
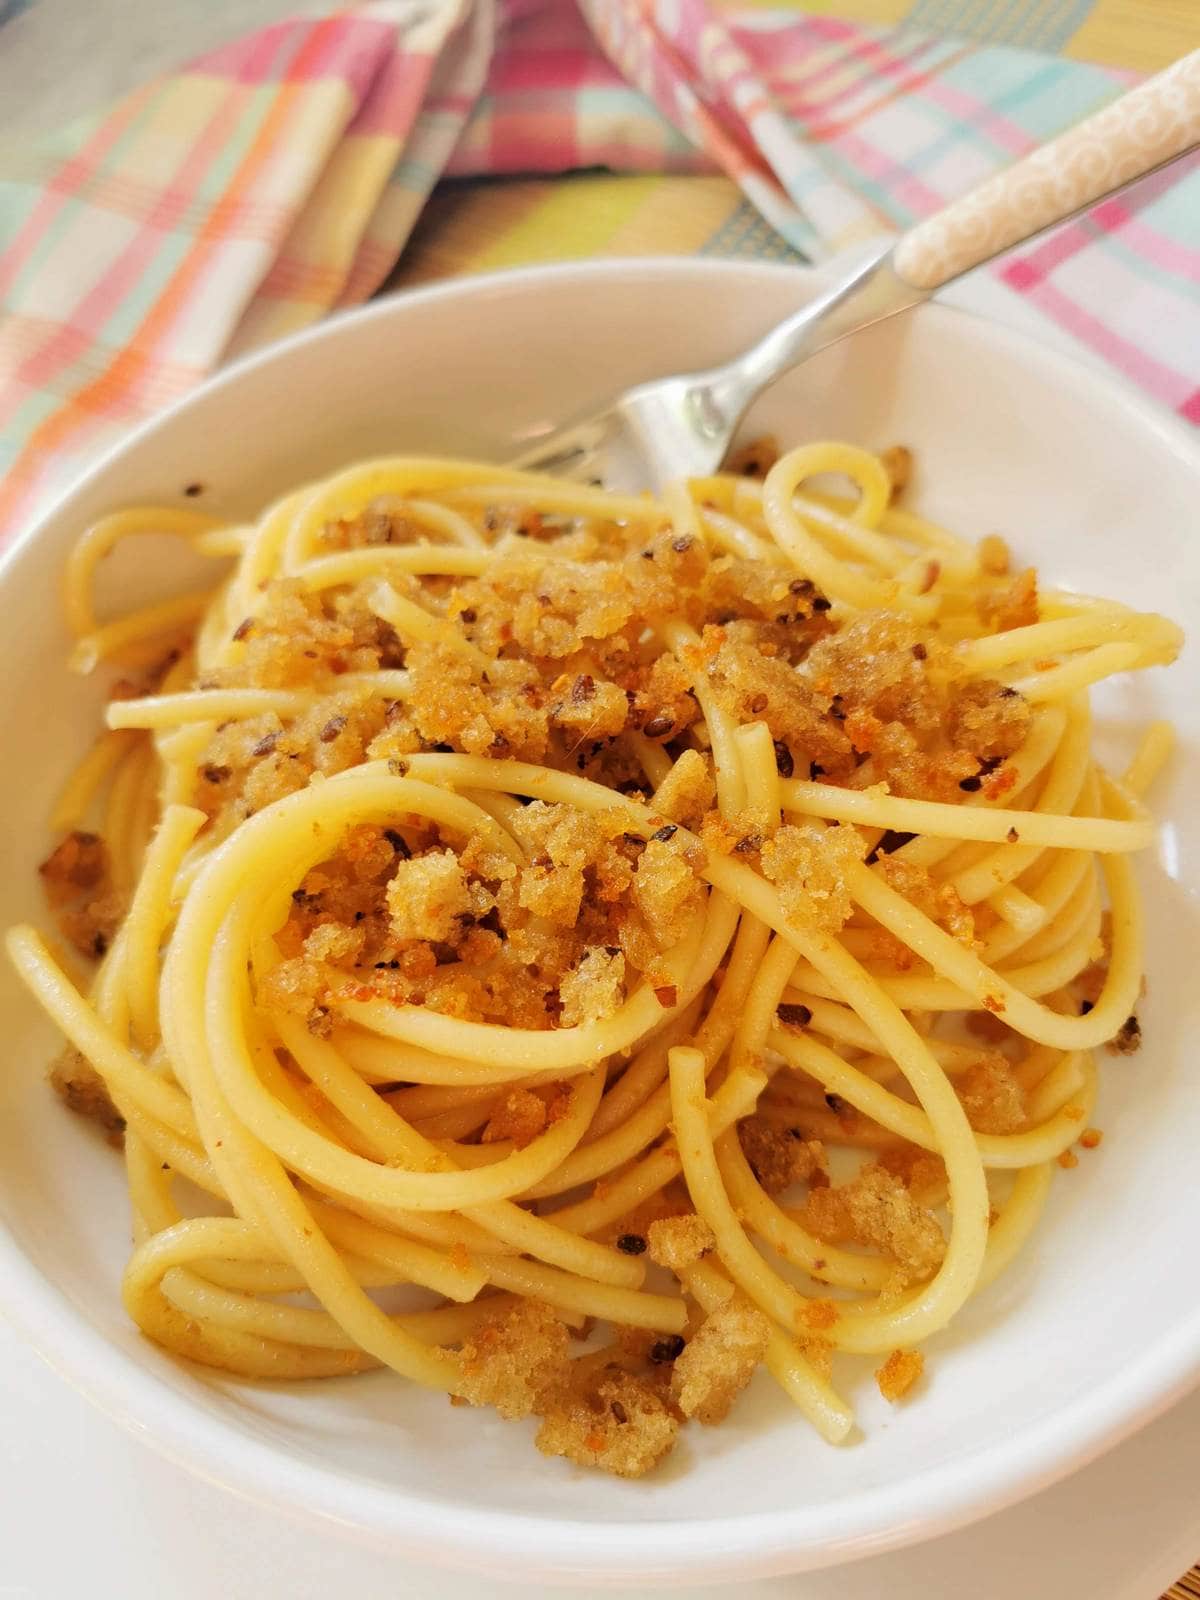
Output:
(815, 771)
(971, 784)
(266, 745)
(193, 489)
(583, 689)
(784, 764)
(801, 586)
(243, 628)
(396, 767)
(619, 1411)
(919, 652)
(631, 1244)
(215, 774)
(667, 1349)
(658, 726)
(331, 729)
(748, 844)
(683, 544)
(665, 833)
(1009, 693)
(1012, 836)
(794, 1016)
(467, 616)
(836, 1104)
(821, 604)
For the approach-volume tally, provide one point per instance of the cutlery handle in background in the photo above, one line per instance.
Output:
(1152, 124)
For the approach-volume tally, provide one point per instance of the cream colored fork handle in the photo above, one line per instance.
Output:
(1153, 123)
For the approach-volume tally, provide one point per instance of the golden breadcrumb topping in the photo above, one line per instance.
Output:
(719, 1360)
(899, 1372)
(619, 1423)
(679, 1242)
(514, 1362)
(875, 1208)
(781, 1157)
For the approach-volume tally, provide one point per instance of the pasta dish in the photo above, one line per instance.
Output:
(574, 949)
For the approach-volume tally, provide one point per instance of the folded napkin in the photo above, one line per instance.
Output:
(277, 178)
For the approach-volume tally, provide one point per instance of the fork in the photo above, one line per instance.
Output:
(680, 427)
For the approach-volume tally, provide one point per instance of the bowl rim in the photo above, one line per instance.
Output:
(932, 1502)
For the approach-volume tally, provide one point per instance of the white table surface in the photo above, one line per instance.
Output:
(88, 1511)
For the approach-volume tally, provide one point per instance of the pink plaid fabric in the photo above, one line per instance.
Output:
(279, 177)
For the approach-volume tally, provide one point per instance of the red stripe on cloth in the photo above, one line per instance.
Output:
(89, 316)
(1164, 384)
(395, 97)
(115, 388)
(70, 179)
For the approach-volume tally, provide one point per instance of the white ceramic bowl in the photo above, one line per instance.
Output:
(1095, 1330)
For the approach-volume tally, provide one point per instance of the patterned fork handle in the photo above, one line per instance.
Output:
(1153, 123)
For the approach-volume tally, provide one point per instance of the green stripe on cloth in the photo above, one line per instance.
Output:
(1033, 24)
(747, 235)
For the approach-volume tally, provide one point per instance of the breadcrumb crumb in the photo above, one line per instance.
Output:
(779, 1157)
(898, 1373)
(679, 1242)
(621, 1425)
(84, 1090)
(719, 1361)
(514, 1362)
(876, 1209)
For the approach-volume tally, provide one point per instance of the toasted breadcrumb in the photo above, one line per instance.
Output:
(621, 1425)
(992, 1096)
(1014, 607)
(807, 866)
(679, 1242)
(819, 1355)
(666, 891)
(876, 1209)
(594, 989)
(940, 902)
(687, 791)
(514, 1362)
(521, 1117)
(922, 1173)
(779, 1157)
(1128, 1038)
(719, 1361)
(899, 1372)
(81, 1086)
(76, 878)
(426, 896)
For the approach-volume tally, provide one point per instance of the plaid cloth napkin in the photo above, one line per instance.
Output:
(277, 178)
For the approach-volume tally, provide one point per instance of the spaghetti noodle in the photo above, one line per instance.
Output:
(679, 914)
